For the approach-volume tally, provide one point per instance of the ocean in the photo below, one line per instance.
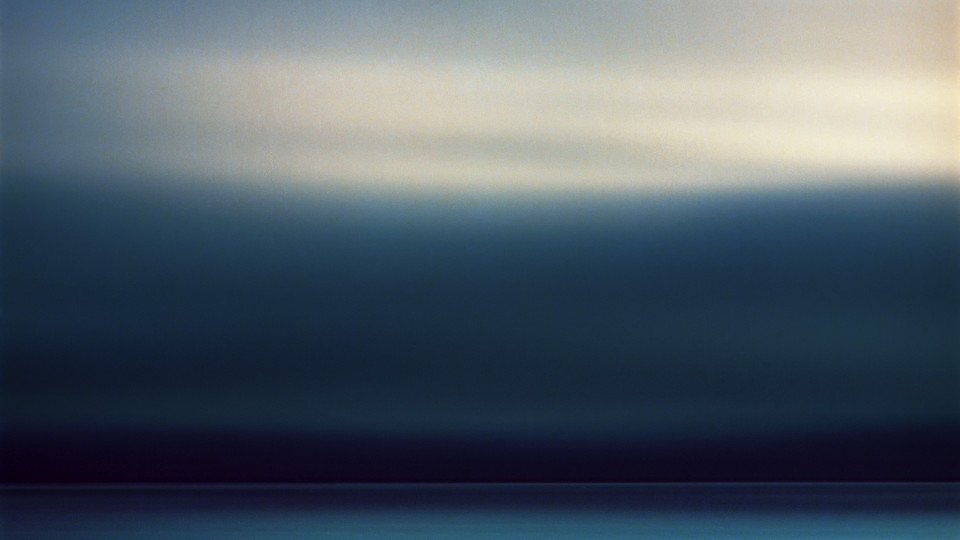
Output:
(468, 511)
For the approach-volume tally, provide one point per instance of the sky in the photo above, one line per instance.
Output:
(490, 96)
(470, 299)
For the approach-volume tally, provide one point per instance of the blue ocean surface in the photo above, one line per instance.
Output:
(466, 511)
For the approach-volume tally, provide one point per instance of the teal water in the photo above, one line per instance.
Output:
(701, 511)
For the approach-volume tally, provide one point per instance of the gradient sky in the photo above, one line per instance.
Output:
(459, 228)
(180, 333)
(485, 95)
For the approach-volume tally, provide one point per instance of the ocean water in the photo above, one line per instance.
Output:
(465, 511)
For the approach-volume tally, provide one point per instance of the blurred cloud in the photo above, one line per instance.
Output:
(617, 95)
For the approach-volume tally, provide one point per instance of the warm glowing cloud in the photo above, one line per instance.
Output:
(677, 115)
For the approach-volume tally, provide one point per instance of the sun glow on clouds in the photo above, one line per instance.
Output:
(412, 120)
(313, 118)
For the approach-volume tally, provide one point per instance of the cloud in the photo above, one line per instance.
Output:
(633, 96)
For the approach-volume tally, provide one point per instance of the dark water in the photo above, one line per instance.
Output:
(700, 511)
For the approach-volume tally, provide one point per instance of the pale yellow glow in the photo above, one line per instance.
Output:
(435, 126)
